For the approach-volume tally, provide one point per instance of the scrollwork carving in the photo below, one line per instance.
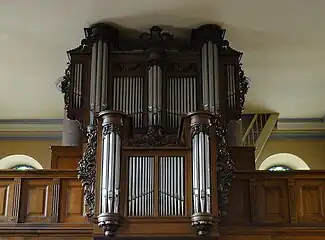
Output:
(87, 170)
(225, 168)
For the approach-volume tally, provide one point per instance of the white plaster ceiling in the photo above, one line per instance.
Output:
(282, 43)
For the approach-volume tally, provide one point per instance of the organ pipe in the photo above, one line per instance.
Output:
(181, 98)
(154, 95)
(141, 186)
(99, 76)
(109, 191)
(210, 77)
(202, 219)
(128, 97)
(171, 186)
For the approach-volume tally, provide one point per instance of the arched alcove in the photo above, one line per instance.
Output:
(12, 161)
(284, 159)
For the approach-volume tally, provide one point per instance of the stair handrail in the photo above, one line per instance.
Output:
(251, 125)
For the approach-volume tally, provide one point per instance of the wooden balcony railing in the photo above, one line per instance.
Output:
(277, 201)
(50, 202)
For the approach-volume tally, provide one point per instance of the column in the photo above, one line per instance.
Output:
(71, 134)
(109, 173)
(202, 219)
(234, 133)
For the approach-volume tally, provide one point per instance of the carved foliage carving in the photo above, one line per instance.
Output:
(243, 87)
(87, 170)
(65, 86)
(111, 128)
(225, 168)
(184, 67)
(127, 67)
(196, 129)
(155, 137)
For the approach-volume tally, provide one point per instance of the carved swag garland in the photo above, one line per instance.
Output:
(87, 170)
(225, 168)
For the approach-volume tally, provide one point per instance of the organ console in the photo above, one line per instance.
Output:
(155, 106)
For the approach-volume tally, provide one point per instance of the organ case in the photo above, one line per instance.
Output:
(156, 107)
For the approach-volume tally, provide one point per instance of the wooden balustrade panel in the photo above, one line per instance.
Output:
(41, 198)
(310, 201)
(269, 201)
(72, 205)
(263, 198)
(38, 201)
(7, 191)
(239, 204)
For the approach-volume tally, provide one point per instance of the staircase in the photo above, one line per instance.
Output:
(257, 129)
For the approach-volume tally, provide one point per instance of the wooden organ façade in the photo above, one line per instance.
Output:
(154, 107)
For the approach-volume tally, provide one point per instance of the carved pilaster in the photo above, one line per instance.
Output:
(87, 170)
(16, 200)
(55, 200)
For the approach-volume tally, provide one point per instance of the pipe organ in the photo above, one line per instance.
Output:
(155, 105)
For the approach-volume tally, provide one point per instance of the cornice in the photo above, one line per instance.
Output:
(31, 129)
(300, 124)
(294, 135)
(51, 129)
(299, 128)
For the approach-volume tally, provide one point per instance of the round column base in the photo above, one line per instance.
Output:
(109, 223)
(202, 222)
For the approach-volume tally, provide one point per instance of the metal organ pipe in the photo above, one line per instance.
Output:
(210, 76)
(201, 170)
(141, 182)
(99, 76)
(171, 186)
(201, 173)
(154, 95)
(128, 97)
(181, 98)
(109, 191)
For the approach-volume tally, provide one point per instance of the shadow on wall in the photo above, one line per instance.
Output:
(12, 161)
(284, 159)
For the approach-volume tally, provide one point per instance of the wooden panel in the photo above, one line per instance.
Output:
(38, 198)
(310, 201)
(72, 207)
(270, 201)
(6, 196)
(239, 197)
(65, 157)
